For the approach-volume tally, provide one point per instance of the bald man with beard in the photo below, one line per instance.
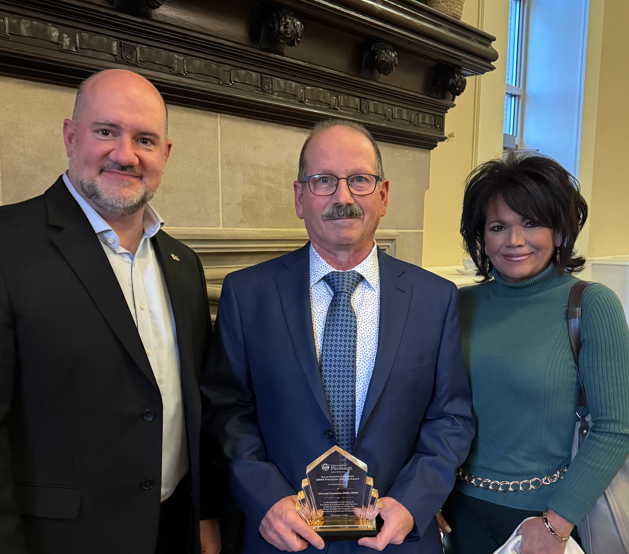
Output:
(104, 326)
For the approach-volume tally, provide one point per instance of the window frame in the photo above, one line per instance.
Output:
(515, 90)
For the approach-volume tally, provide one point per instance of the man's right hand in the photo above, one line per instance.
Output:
(283, 528)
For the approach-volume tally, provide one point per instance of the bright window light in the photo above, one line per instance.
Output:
(513, 96)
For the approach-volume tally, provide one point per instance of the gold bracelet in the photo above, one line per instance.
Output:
(554, 533)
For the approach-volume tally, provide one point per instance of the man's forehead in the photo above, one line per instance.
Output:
(328, 144)
(123, 95)
(338, 133)
(122, 114)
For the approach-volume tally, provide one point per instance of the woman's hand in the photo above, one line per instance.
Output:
(443, 524)
(536, 539)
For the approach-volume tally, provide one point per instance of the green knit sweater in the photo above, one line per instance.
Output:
(525, 387)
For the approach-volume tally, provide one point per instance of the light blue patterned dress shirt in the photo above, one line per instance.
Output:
(366, 303)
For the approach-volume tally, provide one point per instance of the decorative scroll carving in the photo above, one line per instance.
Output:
(451, 80)
(128, 53)
(379, 59)
(281, 28)
(27, 28)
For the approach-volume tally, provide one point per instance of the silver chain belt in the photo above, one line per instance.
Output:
(510, 486)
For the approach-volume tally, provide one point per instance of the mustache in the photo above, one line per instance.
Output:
(339, 211)
(114, 166)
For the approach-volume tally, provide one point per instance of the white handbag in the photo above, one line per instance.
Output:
(512, 546)
(605, 529)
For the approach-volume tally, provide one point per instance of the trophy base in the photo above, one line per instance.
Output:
(350, 530)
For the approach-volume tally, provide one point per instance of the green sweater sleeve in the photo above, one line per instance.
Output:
(604, 363)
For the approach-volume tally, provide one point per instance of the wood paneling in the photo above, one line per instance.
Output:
(206, 55)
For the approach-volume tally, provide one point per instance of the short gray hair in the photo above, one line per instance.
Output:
(328, 124)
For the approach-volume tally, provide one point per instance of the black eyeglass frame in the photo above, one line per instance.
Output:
(338, 180)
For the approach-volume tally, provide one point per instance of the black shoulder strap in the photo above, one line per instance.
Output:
(573, 316)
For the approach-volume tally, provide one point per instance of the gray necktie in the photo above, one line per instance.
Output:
(338, 356)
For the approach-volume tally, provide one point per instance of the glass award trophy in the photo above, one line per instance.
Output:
(337, 498)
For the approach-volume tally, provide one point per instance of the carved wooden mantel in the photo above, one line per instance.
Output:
(393, 65)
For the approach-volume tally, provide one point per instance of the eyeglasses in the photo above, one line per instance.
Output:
(361, 184)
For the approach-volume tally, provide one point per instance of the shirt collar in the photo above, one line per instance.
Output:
(151, 220)
(368, 268)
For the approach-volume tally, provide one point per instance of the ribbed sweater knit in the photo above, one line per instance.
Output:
(525, 389)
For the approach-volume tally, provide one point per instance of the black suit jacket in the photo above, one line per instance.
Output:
(76, 438)
(270, 409)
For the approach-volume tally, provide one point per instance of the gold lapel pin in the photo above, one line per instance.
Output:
(174, 257)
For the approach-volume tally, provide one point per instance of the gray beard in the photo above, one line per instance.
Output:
(112, 204)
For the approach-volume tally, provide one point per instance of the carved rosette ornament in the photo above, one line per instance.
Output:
(281, 28)
(379, 59)
(451, 80)
(137, 7)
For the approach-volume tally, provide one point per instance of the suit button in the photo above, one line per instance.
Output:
(328, 434)
(149, 415)
(147, 484)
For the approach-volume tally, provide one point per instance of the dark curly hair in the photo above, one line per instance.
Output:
(537, 188)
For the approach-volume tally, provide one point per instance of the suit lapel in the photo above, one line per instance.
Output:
(395, 298)
(81, 248)
(294, 290)
(174, 273)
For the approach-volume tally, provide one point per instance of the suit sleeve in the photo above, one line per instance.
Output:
(213, 492)
(256, 483)
(11, 538)
(446, 433)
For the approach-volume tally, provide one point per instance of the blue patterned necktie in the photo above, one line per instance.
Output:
(338, 356)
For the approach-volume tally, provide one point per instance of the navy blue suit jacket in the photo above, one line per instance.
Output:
(270, 410)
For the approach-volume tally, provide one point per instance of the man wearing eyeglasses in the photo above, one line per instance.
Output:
(339, 343)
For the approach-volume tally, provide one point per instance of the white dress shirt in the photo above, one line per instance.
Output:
(366, 303)
(142, 282)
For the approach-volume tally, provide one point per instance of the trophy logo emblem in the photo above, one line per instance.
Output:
(337, 498)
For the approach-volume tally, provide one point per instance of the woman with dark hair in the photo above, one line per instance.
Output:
(521, 218)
